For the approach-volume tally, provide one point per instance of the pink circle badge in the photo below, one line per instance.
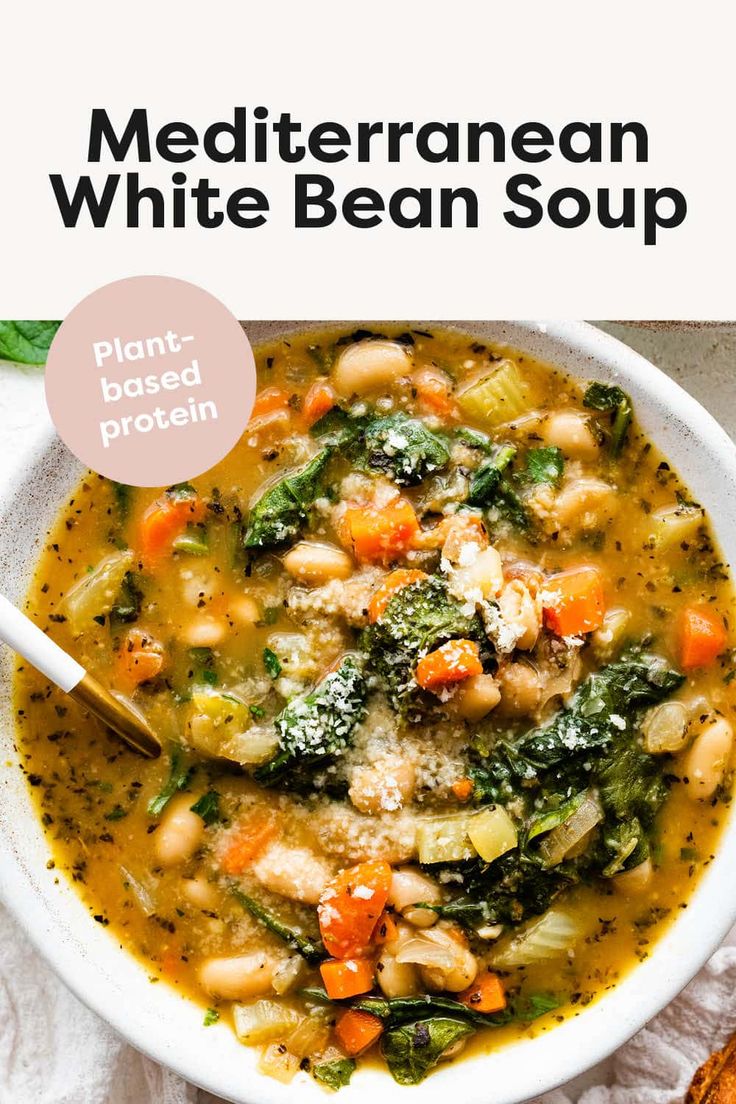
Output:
(150, 381)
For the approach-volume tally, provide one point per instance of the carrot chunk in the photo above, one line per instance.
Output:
(452, 662)
(350, 906)
(385, 930)
(434, 392)
(347, 977)
(247, 842)
(356, 1031)
(462, 788)
(702, 637)
(486, 994)
(140, 659)
(392, 584)
(164, 520)
(573, 601)
(318, 401)
(268, 400)
(379, 534)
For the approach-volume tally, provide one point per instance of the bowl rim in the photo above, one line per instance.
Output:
(89, 962)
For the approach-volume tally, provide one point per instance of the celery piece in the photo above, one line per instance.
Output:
(496, 398)
(192, 541)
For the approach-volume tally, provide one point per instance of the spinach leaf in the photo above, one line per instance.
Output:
(318, 727)
(545, 465)
(336, 1074)
(310, 949)
(339, 429)
(208, 807)
(180, 774)
(413, 1049)
(602, 711)
(26, 342)
(123, 495)
(211, 1017)
(417, 619)
(474, 438)
(272, 663)
(403, 449)
(487, 477)
(127, 606)
(507, 891)
(279, 514)
(603, 396)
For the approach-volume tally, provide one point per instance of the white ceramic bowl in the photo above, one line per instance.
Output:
(166, 1027)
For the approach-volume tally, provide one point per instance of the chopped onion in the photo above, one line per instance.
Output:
(263, 1021)
(141, 892)
(565, 837)
(277, 1062)
(287, 974)
(311, 1034)
(552, 936)
(425, 950)
(665, 728)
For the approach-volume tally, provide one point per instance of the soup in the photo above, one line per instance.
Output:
(439, 656)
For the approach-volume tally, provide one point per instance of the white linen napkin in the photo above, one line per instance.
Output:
(53, 1050)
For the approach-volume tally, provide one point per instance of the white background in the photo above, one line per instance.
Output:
(668, 65)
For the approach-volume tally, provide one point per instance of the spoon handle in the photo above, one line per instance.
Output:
(25, 638)
(30, 642)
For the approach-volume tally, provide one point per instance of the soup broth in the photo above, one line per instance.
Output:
(439, 657)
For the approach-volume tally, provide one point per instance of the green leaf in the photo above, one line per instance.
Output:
(403, 449)
(413, 1049)
(417, 619)
(545, 465)
(337, 429)
(609, 397)
(310, 949)
(272, 663)
(279, 514)
(128, 603)
(335, 1075)
(123, 495)
(316, 728)
(487, 477)
(26, 342)
(192, 541)
(211, 1017)
(208, 807)
(179, 776)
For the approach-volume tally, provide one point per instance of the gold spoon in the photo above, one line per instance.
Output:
(25, 638)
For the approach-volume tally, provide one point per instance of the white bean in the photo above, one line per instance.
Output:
(476, 697)
(368, 365)
(294, 872)
(396, 979)
(204, 631)
(180, 831)
(464, 968)
(199, 892)
(706, 761)
(635, 880)
(585, 503)
(519, 609)
(244, 609)
(315, 563)
(410, 887)
(521, 689)
(383, 786)
(570, 431)
(238, 977)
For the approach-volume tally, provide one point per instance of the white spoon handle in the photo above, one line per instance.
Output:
(25, 638)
